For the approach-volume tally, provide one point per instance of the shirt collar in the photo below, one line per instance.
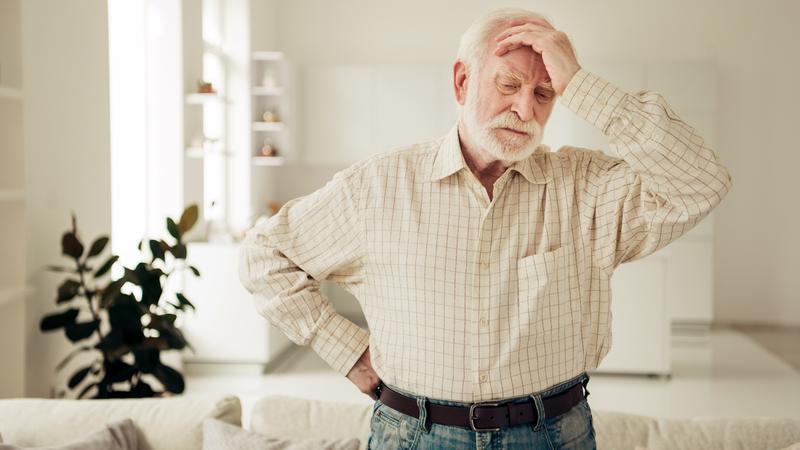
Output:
(449, 159)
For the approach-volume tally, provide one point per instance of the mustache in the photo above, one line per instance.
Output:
(509, 120)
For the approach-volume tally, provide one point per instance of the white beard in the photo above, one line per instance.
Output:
(515, 148)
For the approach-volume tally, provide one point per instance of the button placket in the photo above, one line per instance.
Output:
(482, 302)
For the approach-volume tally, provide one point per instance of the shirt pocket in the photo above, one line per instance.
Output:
(550, 304)
(538, 273)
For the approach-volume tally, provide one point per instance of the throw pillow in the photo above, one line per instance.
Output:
(218, 435)
(121, 435)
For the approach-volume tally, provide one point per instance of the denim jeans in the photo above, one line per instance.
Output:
(390, 429)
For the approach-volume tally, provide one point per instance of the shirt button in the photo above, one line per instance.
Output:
(484, 322)
(484, 377)
(484, 264)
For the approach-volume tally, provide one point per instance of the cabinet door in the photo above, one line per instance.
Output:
(640, 321)
(226, 328)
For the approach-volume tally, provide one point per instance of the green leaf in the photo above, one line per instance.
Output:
(184, 301)
(171, 318)
(59, 269)
(179, 251)
(156, 250)
(112, 344)
(68, 290)
(141, 390)
(188, 219)
(170, 378)
(150, 284)
(118, 371)
(125, 314)
(78, 376)
(174, 337)
(71, 245)
(172, 228)
(194, 270)
(111, 292)
(97, 246)
(86, 389)
(130, 276)
(79, 331)
(106, 266)
(147, 359)
(58, 320)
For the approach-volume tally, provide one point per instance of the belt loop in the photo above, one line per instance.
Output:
(538, 406)
(585, 382)
(424, 415)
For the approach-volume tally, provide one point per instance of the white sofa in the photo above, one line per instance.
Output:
(284, 416)
(176, 423)
(173, 423)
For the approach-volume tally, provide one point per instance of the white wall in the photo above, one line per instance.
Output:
(67, 158)
(752, 45)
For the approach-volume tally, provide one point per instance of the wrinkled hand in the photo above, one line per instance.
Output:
(554, 46)
(363, 376)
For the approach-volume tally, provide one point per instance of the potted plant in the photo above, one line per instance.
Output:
(131, 319)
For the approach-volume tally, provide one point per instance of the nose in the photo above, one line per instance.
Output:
(523, 105)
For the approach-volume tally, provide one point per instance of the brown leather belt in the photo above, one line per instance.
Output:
(486, 416)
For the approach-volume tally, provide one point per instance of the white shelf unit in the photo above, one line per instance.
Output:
(202, 98)
(13, 289)
(268, 161)
(205, 119)
(269, 77)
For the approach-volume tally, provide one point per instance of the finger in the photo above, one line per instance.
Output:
(521, 28)
(500, 51)
(533, 39)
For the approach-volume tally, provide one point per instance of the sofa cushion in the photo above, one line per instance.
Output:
(173, 423)
(620, 431)
(284, 416)
(292, 417)
(219, 435)
(121, 435)
(713, 433)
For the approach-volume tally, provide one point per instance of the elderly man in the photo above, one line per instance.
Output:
(482, 260)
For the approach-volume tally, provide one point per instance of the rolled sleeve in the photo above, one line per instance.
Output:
(665, 181)
(284, 259)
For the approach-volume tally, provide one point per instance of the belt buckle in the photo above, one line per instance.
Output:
(472, 416)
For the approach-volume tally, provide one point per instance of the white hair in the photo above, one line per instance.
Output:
(475, 41)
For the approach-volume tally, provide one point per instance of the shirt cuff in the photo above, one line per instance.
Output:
(340, 343)
(591, 97)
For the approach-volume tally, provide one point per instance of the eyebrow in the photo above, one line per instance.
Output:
(519, 77)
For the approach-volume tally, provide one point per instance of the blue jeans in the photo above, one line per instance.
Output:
(390, 429)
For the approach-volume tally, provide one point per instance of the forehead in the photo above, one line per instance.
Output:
(522, 63)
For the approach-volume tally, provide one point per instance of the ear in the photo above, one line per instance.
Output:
(460, 79)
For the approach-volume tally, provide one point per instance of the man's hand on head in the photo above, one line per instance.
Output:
(554, 46)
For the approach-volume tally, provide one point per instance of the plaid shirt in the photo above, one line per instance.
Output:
(471, 299)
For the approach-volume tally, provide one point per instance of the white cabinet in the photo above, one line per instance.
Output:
(226, 328)
(640, 320)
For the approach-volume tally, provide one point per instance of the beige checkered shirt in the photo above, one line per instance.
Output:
(469, 299)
